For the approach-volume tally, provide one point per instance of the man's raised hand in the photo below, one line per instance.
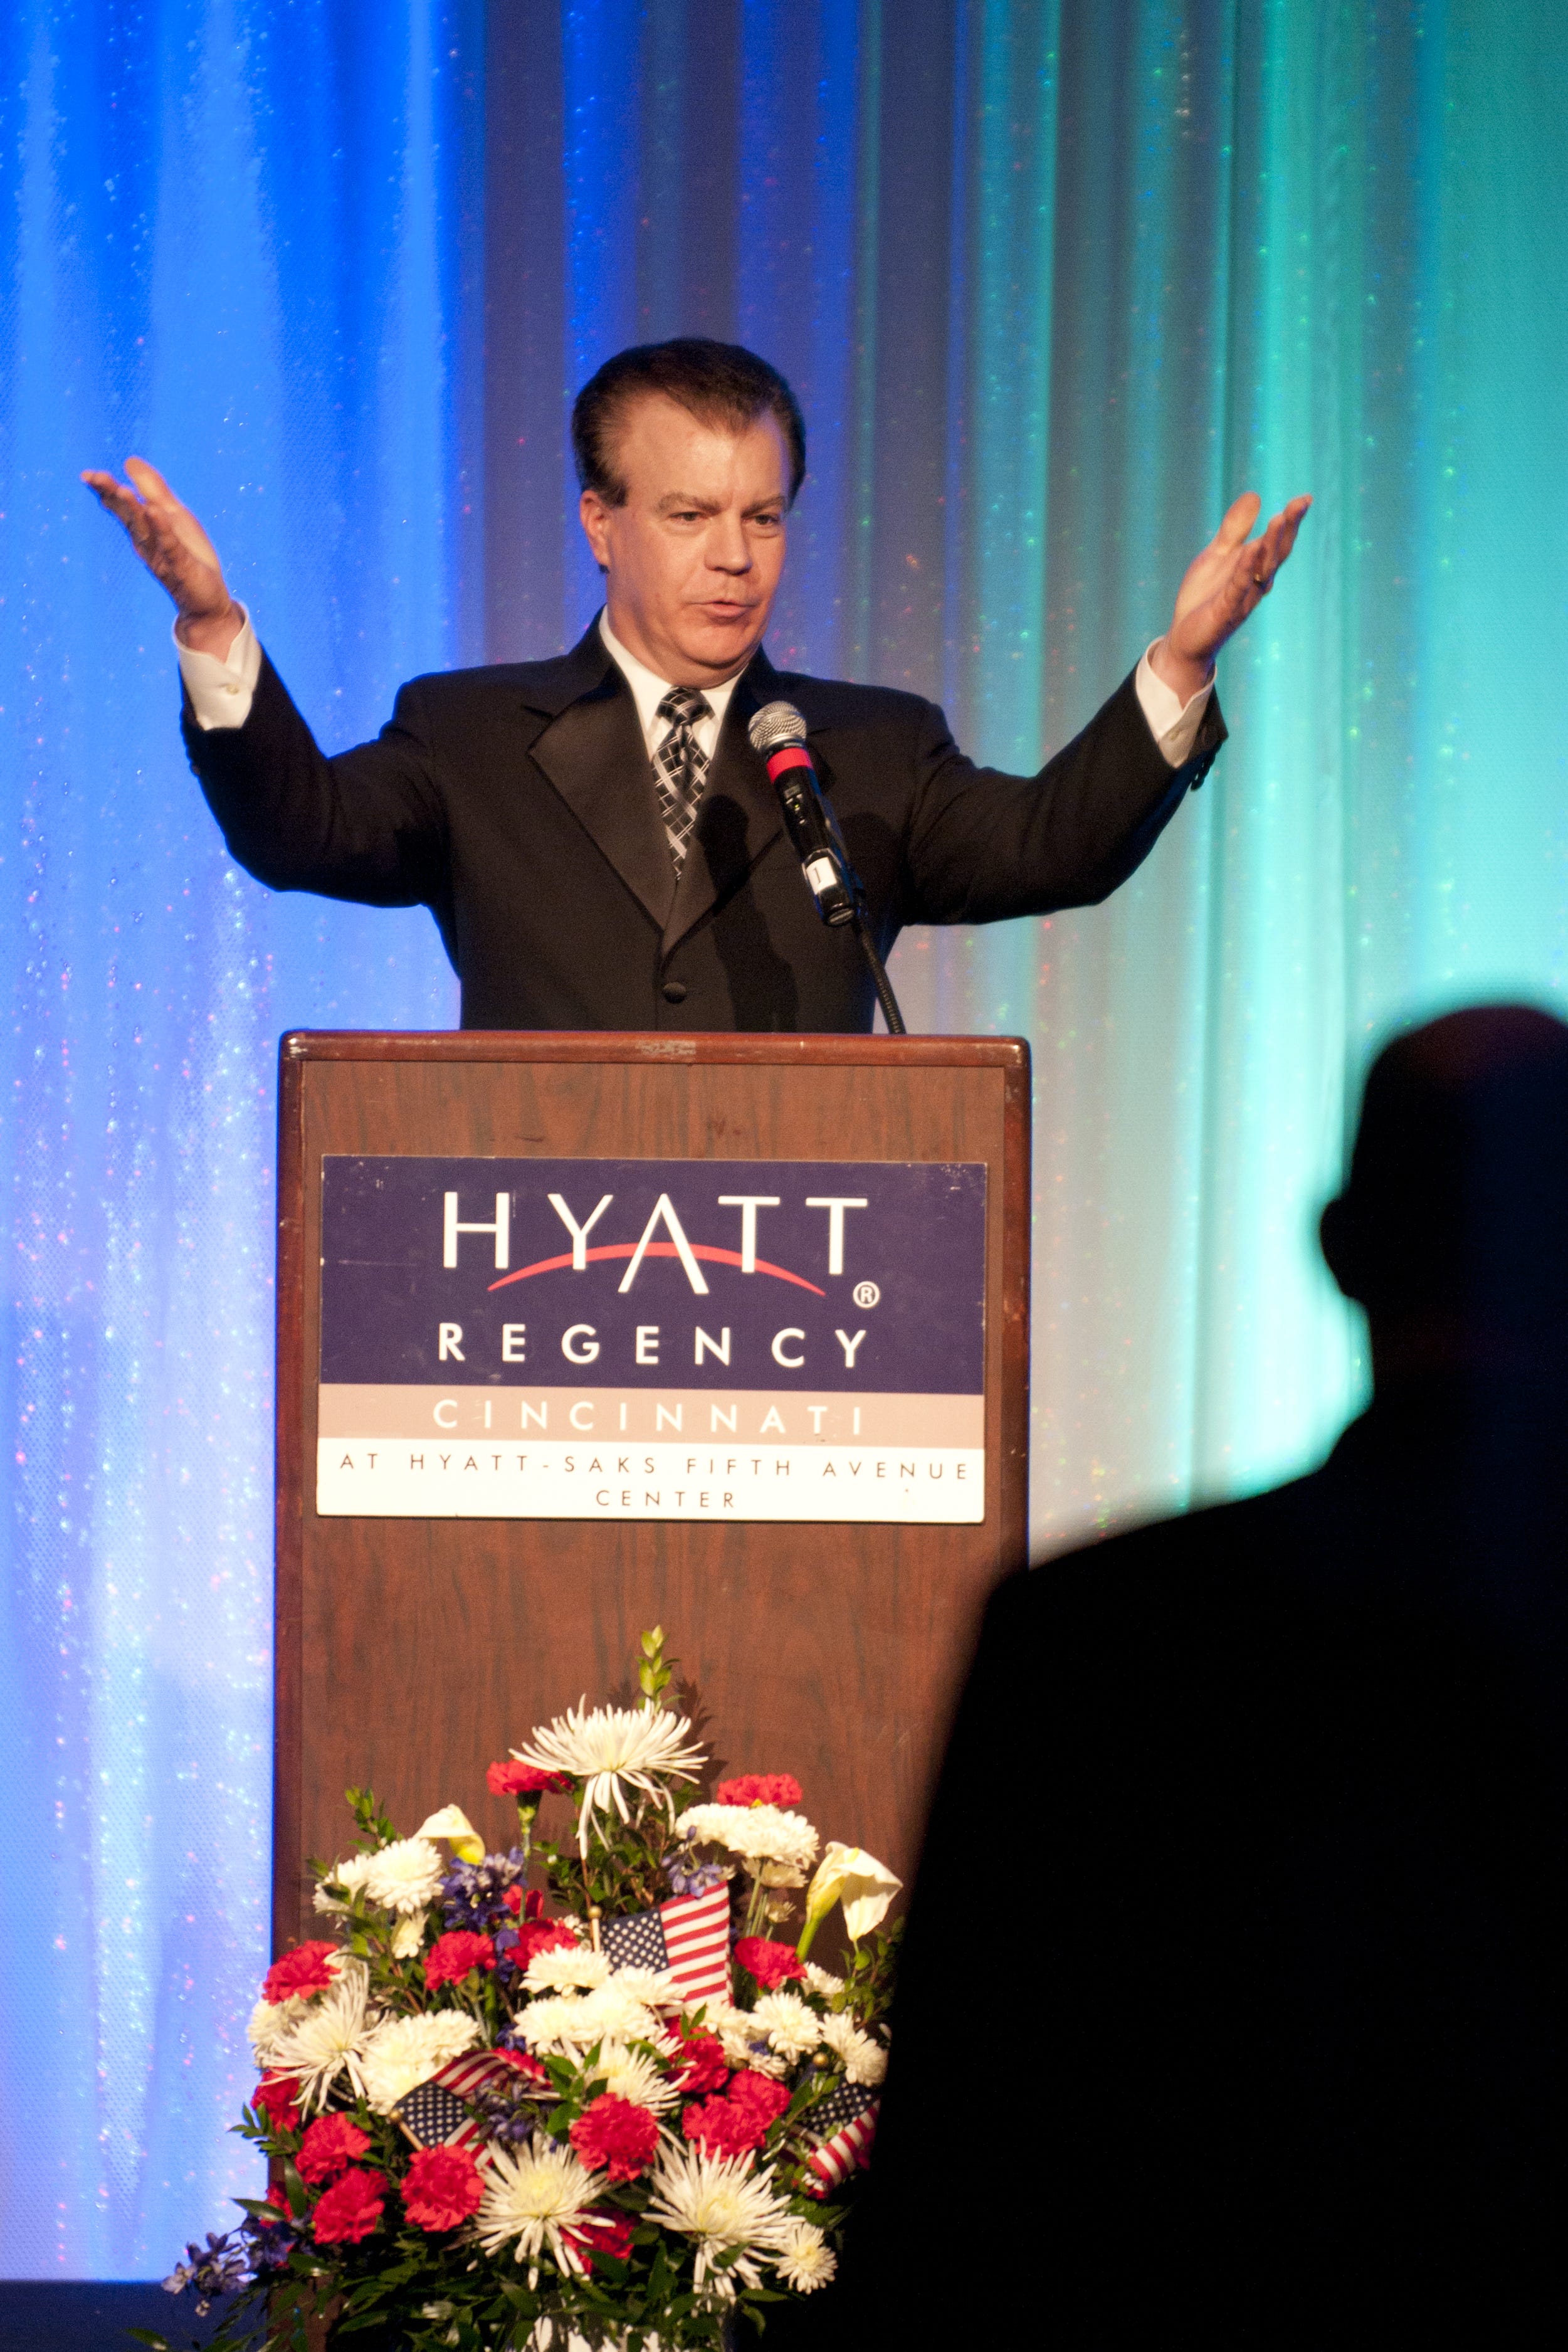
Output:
(1227, 581)
(177, 552)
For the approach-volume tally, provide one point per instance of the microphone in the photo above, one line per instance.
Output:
(779, 732)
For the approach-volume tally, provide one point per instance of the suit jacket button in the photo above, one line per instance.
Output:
(674, 992)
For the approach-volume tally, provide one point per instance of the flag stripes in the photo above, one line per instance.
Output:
(688, 1936)
(435, 2113)
(844, 2127)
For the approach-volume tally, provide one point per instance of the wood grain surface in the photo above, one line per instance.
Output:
(410, 1653)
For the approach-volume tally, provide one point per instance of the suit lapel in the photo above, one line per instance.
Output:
(593, 753)
(739, 815)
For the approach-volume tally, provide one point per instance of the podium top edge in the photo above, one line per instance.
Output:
(666, 1046)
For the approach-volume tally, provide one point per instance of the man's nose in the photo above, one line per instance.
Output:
(727, 548)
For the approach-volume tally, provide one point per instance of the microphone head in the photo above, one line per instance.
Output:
(777, 722)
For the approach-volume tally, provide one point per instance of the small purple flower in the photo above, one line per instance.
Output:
(509, 2112)
(696, 1880)
(473, 1894)
(217, 2269)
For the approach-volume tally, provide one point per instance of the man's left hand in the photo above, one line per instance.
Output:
(1227, 580)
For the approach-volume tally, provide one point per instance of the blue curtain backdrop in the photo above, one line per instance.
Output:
(1054, 282)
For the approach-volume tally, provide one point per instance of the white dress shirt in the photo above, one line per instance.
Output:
(221, 692)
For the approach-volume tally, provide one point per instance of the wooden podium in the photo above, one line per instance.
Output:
(417, 1641)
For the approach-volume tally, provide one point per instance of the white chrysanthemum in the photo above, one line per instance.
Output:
(617, 2010)
(822, 1981)
(405, 1875)
(529, 2193)
(745, 2044)
(864, 2060)
(654, 1988)
(407, 2051)
(408, 1936)
(573, 1968)
(723, 2204)
(759, 1834)
(329, 2040)
(633, 2074)
(348, 1875)
(571, 2022)
(611, 1750)
(806, 2261)
(270, 2021)
(791, 2027)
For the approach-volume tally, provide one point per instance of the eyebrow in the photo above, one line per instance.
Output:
(674, 501)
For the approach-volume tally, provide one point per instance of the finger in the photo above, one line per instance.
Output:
(1240, 518)
(148, 481)
(1266, 554)
(100, 484)
(1285, 526)
(117, 500)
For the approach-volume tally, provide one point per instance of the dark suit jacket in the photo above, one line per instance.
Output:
(1235, 2010)
(516, 803)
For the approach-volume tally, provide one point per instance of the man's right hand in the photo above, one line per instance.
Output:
(176, 551)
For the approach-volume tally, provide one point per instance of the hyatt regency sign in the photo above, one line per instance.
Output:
(652, 1339)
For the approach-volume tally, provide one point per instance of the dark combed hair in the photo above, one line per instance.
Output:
(719, 383)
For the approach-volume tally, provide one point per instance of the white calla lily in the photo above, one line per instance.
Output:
(453, 1824)
(850, 1876)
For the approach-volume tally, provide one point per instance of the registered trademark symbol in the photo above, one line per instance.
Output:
(866, 1294)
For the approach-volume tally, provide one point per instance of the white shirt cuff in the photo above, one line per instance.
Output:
(1173, 725)
(221, 691)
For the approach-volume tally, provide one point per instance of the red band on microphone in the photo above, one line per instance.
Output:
(789, 755)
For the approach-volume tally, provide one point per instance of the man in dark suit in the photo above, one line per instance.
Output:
(1235, 2007)
(595, 836)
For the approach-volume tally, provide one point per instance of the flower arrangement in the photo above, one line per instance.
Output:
(618, 2107)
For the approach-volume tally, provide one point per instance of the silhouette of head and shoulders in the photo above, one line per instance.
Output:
(1248, 1858)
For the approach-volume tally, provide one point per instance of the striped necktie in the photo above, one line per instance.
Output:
(680, 768)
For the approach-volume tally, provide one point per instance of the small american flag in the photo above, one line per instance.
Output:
(689, 1935)
(844, 2127)
(435, 2113)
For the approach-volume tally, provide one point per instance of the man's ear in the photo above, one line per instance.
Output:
(595, 517)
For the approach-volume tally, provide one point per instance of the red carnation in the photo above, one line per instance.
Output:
(759, 1789)
(455, 1955)
(277, 2197)
(511, 1779)
(598, 2231)
(274, 2097)
(760, 2096)
(331, 2143)
(304, 1969)
(707, 2068)
(771, 1964)
(512, 1896)
(617, 2134)
(540, 1935)
(736, 2124)
(720, 2128)
(350, 2209)
(443, 2188)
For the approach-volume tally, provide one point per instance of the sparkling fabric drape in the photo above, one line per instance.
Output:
(1054, 280)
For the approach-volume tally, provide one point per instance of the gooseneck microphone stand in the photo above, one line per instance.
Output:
(885, 995)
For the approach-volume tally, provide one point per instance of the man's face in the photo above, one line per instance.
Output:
(694, 557)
